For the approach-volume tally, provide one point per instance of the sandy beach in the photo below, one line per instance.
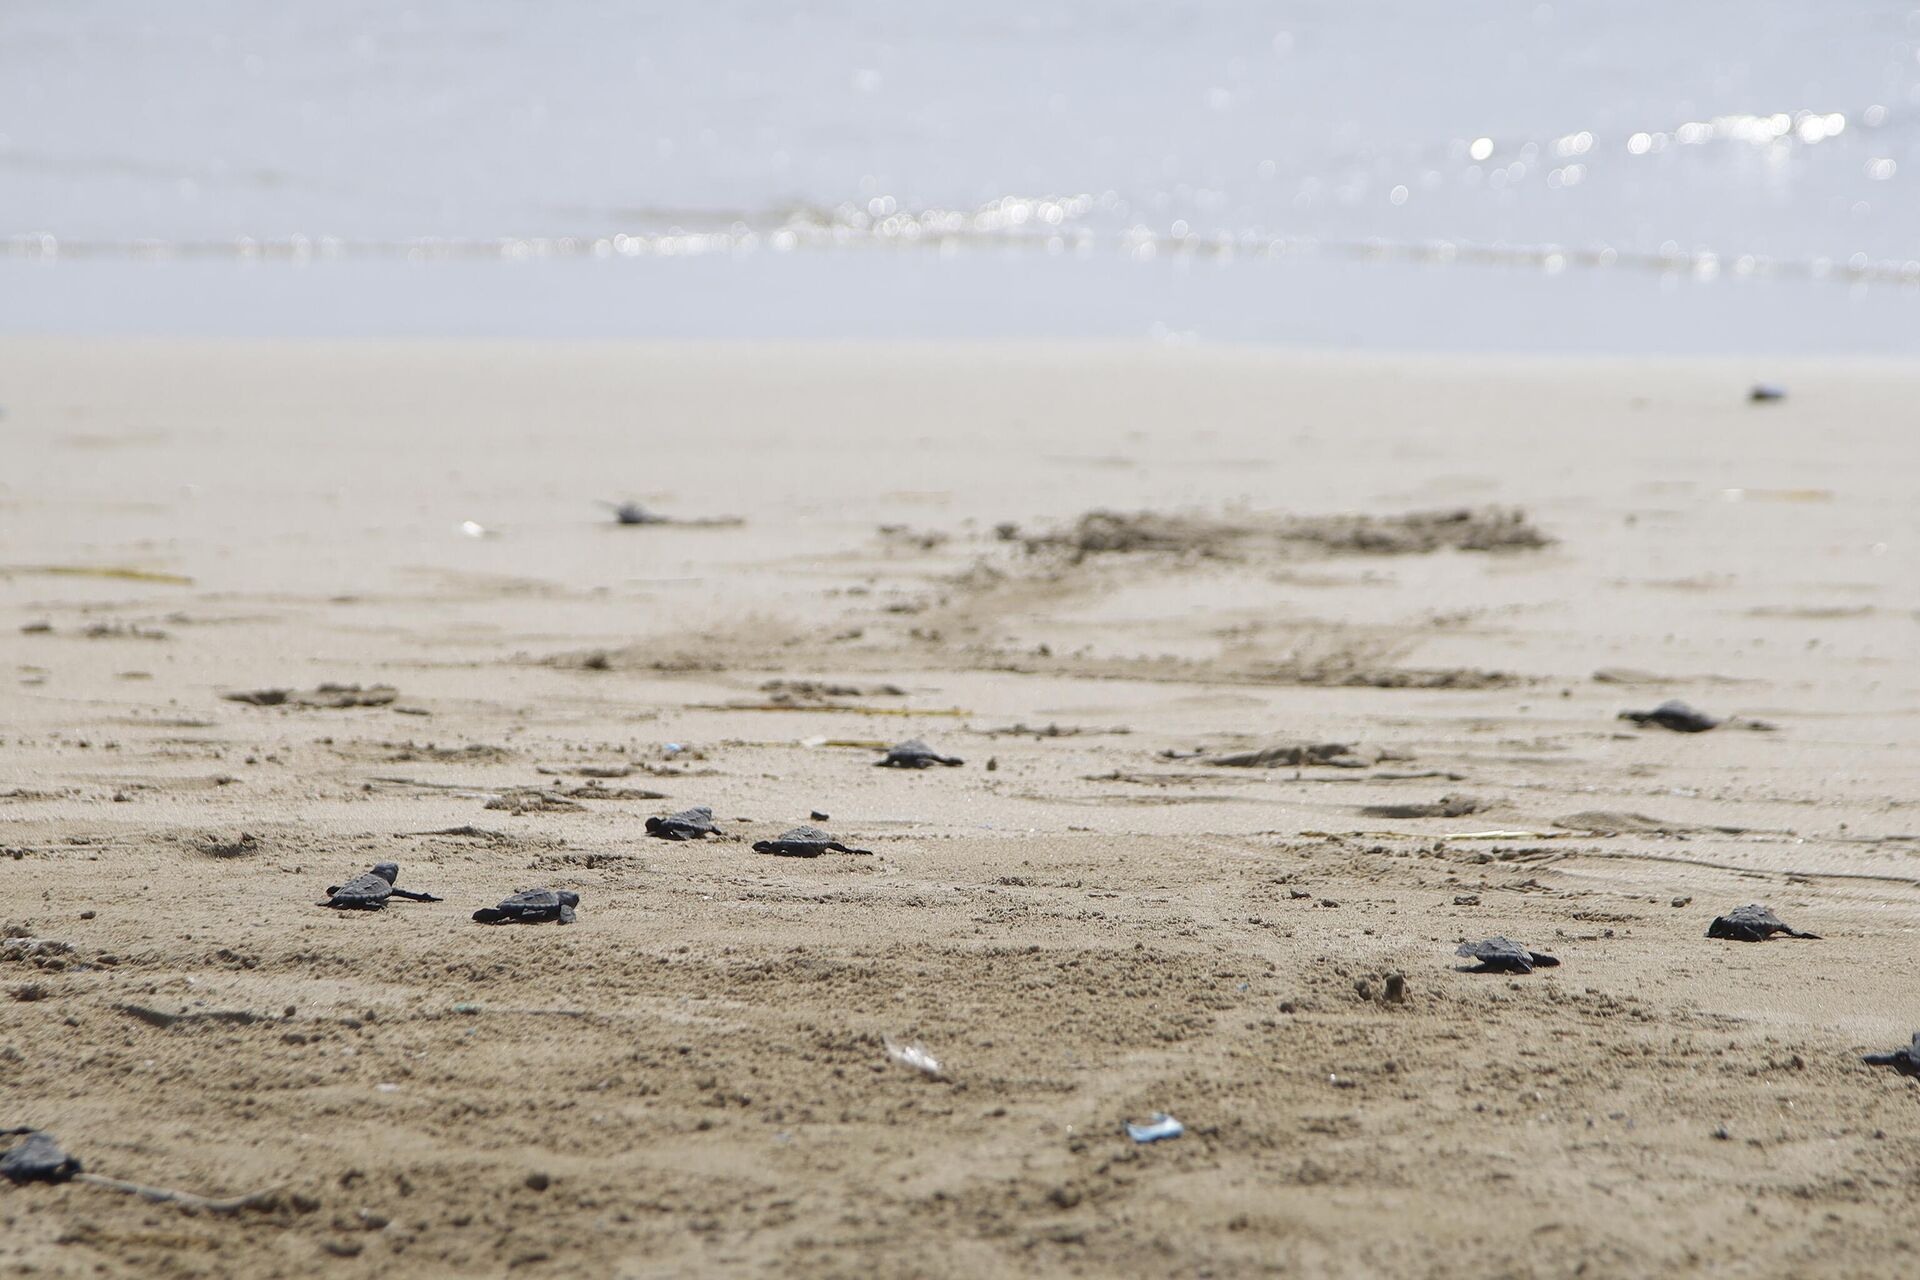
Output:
(1088, 922)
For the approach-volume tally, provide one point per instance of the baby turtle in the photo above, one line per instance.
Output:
(532, 906)
(1501, 955)
(688, 824)
(633, 513)
(803, 842)
(1905, 1060)
(1752, 923)
(1765, 392)
(914, 754)
(38, 1159)
(1675, 715)
(370, 891)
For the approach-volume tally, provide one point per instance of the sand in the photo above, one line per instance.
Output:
(1084, 927)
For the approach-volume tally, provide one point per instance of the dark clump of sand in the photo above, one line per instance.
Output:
(1413, 533)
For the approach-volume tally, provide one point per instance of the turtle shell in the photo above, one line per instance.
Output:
(1503, 955)
(531, 906)
(1752, 923)
(1675, 715)
(38, 1159)
(803, 842)
(368, 890)
(915, 754)
(688, 824)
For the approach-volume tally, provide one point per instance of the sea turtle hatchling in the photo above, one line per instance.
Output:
(914, 754)
(1675, 715)
(37, 1159)
(1905, 1060)
(633, 513)
(1752, 923)
(803, 842)
(688, 824)
(1502, 955)
(370, 890)
(532, 906)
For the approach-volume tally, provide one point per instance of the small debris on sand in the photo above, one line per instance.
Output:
(916, 1057)
(1414, 533)
(1613, 822)
(1159, 1128)
(215, 847)
(1451, 806)
(1337, 755)
(521, 800)
(815, 692)
(326, 695)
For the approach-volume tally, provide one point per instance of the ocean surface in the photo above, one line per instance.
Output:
(1630, 176)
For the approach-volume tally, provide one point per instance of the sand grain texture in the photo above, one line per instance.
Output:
(695, 1078)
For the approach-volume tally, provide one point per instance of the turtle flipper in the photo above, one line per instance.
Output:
(1799, 933)
(491, 915)
(950, 761)
(837, 847)
(411, 896)
(1540, 958)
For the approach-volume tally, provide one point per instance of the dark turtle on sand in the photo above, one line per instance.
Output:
(688, 824)
(1502, 955)
(1905, 1059)
(1675, 715)
(633, 513)
(914, 754)
(803, 842)
(532, 906)
(370, 891)
(37, 1159)
(1752, 923)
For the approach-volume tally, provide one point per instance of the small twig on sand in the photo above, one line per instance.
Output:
(186, 1199)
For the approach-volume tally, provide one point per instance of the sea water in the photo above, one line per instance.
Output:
(1626, 176)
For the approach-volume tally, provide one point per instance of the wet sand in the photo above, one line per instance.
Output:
(1085, 927)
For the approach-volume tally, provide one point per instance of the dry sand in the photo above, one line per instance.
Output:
(692, 1079)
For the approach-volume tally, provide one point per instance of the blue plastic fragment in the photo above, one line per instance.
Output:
(1158, 1129)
